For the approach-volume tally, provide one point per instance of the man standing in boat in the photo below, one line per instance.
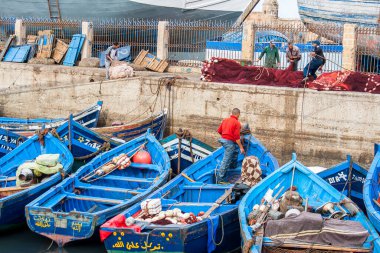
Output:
(272, 57)
(111, 55)
(293, 55)
(317, 61)
(230, 133)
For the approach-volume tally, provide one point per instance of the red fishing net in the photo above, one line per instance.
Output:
(230, 71)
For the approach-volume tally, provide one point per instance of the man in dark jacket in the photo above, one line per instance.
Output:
(317, 61)
(230, 133)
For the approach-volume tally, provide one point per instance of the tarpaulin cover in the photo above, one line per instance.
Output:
(311, 228)
(230, 71)
(116, 222)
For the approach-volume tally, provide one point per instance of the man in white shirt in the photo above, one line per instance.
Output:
(111, 55)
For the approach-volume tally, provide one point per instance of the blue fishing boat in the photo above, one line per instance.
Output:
(156, 123)
(194, 190)
(84, 143)
(345, 230)
(9, 141)
(347, 177)
(88, 118)
(184, 150)
(371, 190)
(73, 209)
(14, 198)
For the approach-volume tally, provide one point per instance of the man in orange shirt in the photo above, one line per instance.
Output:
(230, 132)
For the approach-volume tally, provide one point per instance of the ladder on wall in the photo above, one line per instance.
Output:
(54, 10)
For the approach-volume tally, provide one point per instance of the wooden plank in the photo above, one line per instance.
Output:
(6, 47)
(111, 189)
(96, 199)
(13, 188)
(321, 247)
(7, 179)
(218, 202)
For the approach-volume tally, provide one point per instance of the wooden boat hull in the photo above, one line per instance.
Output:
(189, 196)
(309, 185)
(371, 190)
(12, 207)
(88, 118)
(191, 151)
(75, 208)
(9, 141)
(84, 143)
(156, 123)
(351, 184)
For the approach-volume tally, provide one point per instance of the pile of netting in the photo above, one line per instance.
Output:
(230, 71)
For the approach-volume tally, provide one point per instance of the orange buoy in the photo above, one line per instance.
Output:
(142, 157)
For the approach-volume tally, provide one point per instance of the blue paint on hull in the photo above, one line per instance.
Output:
(371, 190)
(9, 141)
(12, 207)
(88, 117)
(338, 177)
(309, 185)
(74, 208)
(111, 9)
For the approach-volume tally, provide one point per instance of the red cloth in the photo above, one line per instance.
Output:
(116, 222)
(230, 128)
(230, 71)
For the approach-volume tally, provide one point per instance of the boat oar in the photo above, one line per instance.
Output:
(218, 202)
(91, 174)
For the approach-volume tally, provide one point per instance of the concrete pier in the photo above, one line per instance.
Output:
(322, 127)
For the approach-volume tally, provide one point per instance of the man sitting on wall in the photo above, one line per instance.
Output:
(230, 132)
(111, 55)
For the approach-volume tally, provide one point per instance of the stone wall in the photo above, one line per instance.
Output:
(21, 75)
(322, 127)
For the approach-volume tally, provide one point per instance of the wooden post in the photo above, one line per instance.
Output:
(20, 32)
(163, 40)
(88, 30)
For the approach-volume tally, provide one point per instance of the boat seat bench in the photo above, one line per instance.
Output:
(129, 179)
(95, 199)
(110, 189)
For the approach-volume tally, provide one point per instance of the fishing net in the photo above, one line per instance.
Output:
(230, 71)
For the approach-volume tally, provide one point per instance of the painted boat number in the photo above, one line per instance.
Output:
(60, 223)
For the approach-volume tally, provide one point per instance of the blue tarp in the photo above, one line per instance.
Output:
(123, 54)
(74, 50)
(17, 54)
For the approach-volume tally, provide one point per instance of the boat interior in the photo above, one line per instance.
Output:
(315, 194)
(110, 190)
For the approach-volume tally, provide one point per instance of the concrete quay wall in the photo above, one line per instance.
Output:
(322, 127)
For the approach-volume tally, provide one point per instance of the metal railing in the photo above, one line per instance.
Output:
(191, 42)
(368, 50)
(188, 40)
(139, 34)
(330, 36)
(7, 27)
(63, 29)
